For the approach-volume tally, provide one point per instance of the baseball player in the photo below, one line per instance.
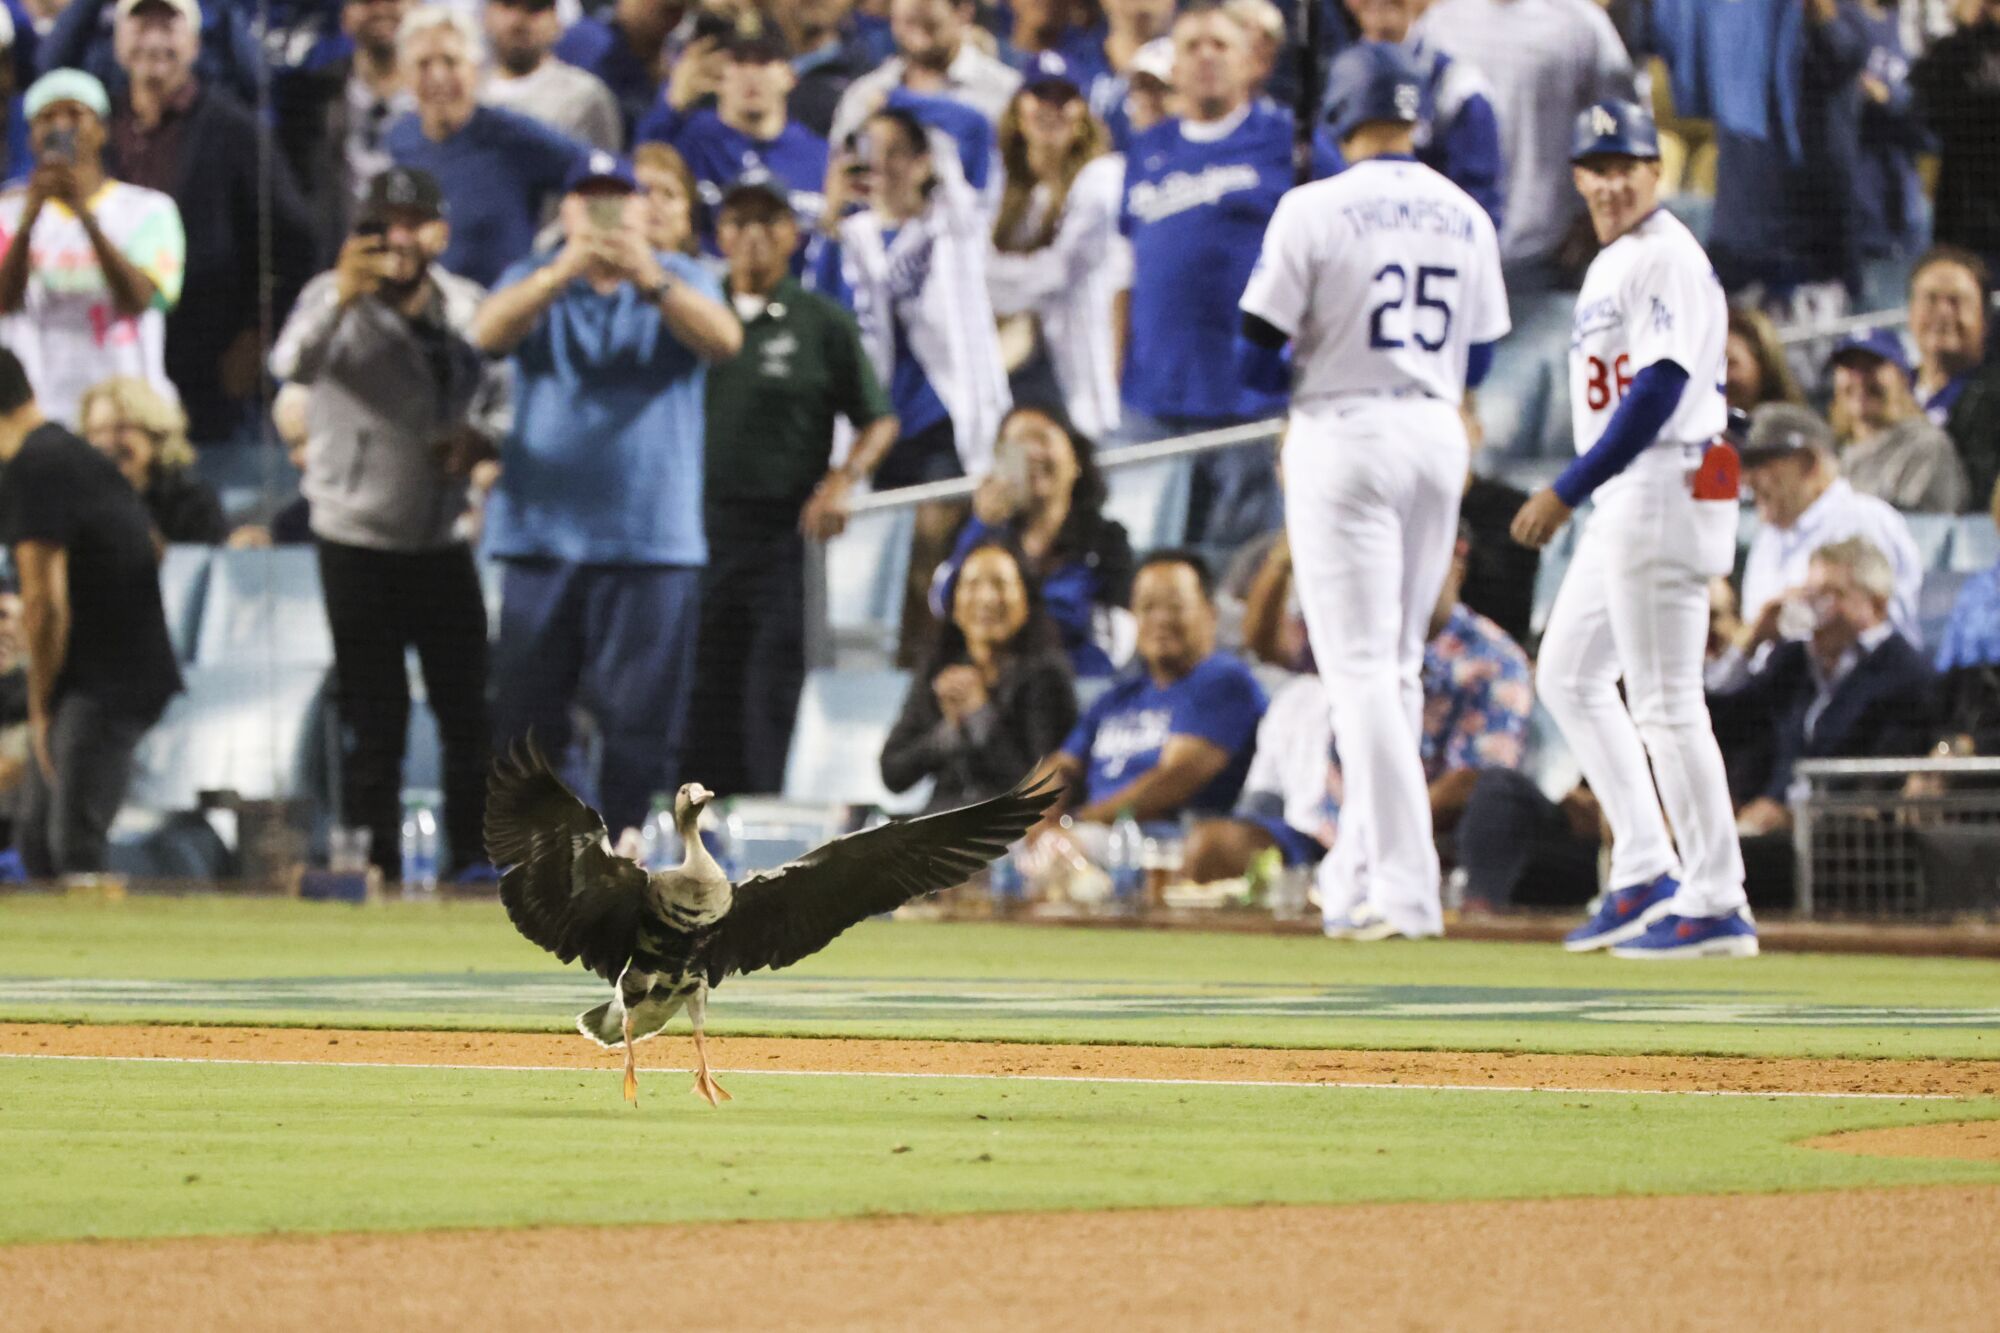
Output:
(1386, 282)
(1645, 372)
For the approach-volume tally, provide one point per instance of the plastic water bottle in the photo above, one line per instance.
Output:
(1125, 861)
(724, 837)
(1006, 884)
(420, 845)
(660, 840)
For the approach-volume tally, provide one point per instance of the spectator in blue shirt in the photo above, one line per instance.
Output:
(597, 518)
(627, 51)
(1178, 732)
(748, 127)
(1199, 189)
(498, 169)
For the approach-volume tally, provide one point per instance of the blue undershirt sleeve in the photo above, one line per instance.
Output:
(1654, 394)
(1478, 361)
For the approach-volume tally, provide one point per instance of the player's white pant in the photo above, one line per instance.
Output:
(1635, 603)
(1372, 486)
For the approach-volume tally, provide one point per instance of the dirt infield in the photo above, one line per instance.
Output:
(750, 1054)
(1853, 1260)
(1976, 1140)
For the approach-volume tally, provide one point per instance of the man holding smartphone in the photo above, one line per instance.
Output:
(597, 518)
(402, 406)
(89, 266)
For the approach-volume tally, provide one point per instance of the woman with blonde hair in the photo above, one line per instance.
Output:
(1055, 238)
(145, 434)
(668, 185)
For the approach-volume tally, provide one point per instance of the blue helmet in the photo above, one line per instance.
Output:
(1624, 129)
(1372, 81)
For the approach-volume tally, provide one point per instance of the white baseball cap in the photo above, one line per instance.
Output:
(187, 9)
(1156, 60)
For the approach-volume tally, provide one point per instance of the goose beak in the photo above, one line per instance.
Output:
(698, 795)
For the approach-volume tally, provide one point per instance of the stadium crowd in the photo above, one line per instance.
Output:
(633, 297)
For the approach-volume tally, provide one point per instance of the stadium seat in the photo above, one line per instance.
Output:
(183, 586)
(1151, 500)
(844, 717)
(1935, 599)
(866, 568)
(1932, 533)
(1975, 544)
(248, 727)
(264, 607)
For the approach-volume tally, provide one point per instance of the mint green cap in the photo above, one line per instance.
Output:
(66, 85)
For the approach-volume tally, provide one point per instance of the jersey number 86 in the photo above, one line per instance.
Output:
(1607, 383)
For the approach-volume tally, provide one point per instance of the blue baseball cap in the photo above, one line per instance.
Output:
(66, 85)
(1372, 81)
(1049, 72)
(1871, 344)
(603, 168)
(1614, 128)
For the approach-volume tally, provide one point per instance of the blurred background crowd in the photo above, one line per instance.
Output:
(557, 344)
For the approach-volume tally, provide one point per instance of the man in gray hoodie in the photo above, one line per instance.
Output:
(402, 407)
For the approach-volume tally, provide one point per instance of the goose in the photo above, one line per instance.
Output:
(665, 939)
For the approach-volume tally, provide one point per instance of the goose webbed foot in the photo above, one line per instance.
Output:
(705, 1085)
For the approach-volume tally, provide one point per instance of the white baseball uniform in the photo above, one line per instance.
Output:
(1384, 277)
(1634, 602)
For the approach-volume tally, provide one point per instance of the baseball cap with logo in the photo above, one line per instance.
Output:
(187, 9)
(1371, 82)
(402, 190)
(600, 168)
(1049, 76)
(1870, 345)
(756, 184)
(1779, 430)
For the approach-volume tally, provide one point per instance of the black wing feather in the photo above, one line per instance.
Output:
(798, 909)
(562, 889)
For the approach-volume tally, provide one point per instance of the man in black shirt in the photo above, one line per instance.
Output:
(100, 666)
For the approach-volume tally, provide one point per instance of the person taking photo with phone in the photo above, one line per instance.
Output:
(402, 406)
(597, 518)
(89, 266)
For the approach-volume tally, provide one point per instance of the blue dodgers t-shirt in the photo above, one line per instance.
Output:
(604, 463)
(1196, 214)
(718, 155)
(496, 174)
(1120, 738)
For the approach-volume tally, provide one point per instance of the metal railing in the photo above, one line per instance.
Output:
(1866, 845)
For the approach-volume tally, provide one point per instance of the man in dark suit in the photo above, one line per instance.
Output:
(1855, 689)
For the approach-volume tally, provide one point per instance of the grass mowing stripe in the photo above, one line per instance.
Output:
(102, 1148)
(1323, 1084)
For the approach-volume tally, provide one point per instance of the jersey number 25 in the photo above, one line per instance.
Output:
(1607, 383)
(1379, 333)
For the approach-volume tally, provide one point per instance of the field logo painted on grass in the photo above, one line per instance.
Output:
(536, 995)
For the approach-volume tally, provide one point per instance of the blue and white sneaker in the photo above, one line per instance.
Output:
(1623, 914)
(1675, 936)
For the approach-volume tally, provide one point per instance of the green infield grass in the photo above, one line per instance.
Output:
(125, 1148)
(416, 965)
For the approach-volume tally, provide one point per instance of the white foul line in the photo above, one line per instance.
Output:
(1332, 1084)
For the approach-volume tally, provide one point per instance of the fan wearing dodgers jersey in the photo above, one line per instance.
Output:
(1647, 352)
(1386, 282)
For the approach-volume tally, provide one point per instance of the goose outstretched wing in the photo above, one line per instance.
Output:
(563, 886)
(775, 919)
